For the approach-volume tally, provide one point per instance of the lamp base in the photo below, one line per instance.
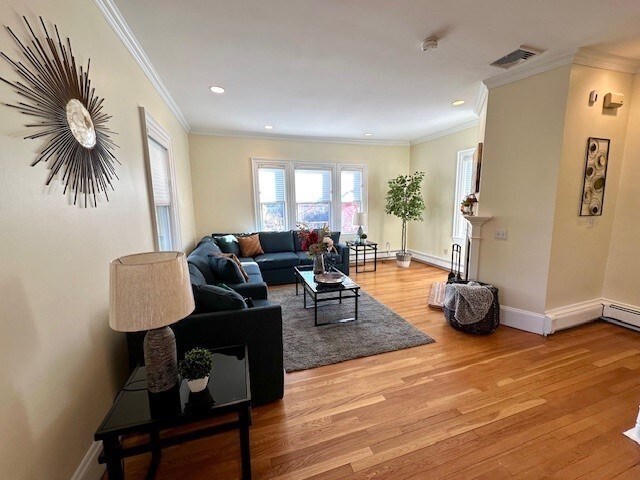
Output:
(161, 359)
(360, 231)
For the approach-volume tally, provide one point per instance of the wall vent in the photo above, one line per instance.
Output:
(516, 57)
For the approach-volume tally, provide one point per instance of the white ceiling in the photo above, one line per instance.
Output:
(339, 68)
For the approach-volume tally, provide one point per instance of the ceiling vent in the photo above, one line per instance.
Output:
(516, 57)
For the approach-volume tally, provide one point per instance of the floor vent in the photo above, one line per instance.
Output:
(516, 57)
(623, 316)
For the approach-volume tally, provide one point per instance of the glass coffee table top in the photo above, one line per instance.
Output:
(307, 275)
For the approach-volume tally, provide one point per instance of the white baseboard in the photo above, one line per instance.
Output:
(432, 259)
(573, 315)
(522, 320)
(89, 468)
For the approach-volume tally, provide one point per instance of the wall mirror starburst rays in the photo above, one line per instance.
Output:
(57, 93)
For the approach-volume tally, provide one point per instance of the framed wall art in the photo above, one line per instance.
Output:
(595, 176)
(477, 168)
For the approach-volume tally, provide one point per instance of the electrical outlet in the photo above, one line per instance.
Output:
(500, 234)
(446, 250)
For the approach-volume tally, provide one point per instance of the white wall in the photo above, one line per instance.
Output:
(60, 364)
(438, 158)
(223, 185)
(621, 280)
(523, 145)
(579, 251)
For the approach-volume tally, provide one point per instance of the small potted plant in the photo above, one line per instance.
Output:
(195, 368)
(468, 204)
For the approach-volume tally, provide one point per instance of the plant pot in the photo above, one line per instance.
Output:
(198, 384)
(403, 259)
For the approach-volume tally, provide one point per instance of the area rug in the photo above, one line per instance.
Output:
(377, 330)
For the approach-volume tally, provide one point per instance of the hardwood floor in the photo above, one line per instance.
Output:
(510, 405)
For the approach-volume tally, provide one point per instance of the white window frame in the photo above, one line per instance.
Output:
(258, 163)
(290, 204)
(159, 135)
(459, 232)
(351, 167)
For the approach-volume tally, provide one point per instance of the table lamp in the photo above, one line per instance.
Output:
(149, 291)
(360, 219)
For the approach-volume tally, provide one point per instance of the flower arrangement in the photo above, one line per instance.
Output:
(468, 204)
(316, 242)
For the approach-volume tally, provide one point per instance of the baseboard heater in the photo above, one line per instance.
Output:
(622, 316)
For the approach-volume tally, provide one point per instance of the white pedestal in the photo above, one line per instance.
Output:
(474, 233)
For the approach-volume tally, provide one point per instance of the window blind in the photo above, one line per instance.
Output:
(159, 174)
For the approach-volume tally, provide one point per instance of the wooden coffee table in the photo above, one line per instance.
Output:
(320, 293)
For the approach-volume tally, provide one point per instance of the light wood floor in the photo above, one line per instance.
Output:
(511, 405)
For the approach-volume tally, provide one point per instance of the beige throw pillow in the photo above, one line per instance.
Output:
(250, 245)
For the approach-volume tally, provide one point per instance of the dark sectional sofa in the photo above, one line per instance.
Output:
(282, 252)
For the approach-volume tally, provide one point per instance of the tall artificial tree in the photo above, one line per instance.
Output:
(405, 201)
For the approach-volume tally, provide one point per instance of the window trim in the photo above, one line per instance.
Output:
(154, 130)
(458, 220)
(290, 203)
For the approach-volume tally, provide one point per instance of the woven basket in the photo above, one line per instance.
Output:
(487, 325)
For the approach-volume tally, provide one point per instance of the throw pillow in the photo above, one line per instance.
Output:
(225, 270)
(228, 244)
(209, 298)
(250, 245)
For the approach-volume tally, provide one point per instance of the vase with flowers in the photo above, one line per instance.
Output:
(317, 243)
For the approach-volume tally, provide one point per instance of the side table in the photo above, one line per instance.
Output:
(136, 411)
(364, 246)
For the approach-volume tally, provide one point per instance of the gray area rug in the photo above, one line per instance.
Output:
(377, 330)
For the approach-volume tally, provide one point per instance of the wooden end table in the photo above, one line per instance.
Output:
(137, 411)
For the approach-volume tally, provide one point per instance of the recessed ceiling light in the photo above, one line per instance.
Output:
(368, 134)
(268, 127)
(217, 89)
(457, 103)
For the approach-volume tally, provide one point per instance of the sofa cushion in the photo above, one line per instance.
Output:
(236, 260)
(225, 269)
(228, 244)
(273, 242)
(208, 245)
(272, 261)
(201, 261)
(304, 257)
(251, 267)
(210, 298)
(250, 245)
(197, 278)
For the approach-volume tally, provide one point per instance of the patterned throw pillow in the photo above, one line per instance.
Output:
(250, 245)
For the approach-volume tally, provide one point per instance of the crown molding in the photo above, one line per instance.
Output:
(543, 63)
(577, 56)
(119, 25)
(304, 138)
(447, 131)
(481, 100)
(591, 58)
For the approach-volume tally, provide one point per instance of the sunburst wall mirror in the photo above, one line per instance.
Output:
(57, 94)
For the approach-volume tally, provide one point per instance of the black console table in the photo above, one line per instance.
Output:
(364, 246)
(136, 411)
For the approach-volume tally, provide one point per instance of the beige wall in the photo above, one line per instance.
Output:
(580, 245)
(621, 281)
(223, 185)
(523, 145)
(438, 158)
(61, 364)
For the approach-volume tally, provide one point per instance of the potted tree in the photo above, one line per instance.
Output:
(195, 368)
(405, 201)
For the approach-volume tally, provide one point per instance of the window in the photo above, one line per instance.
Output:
(351, 195)
(313, 196)
(272, 198)
(163, 194)
(316, 194)
(464, 178)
